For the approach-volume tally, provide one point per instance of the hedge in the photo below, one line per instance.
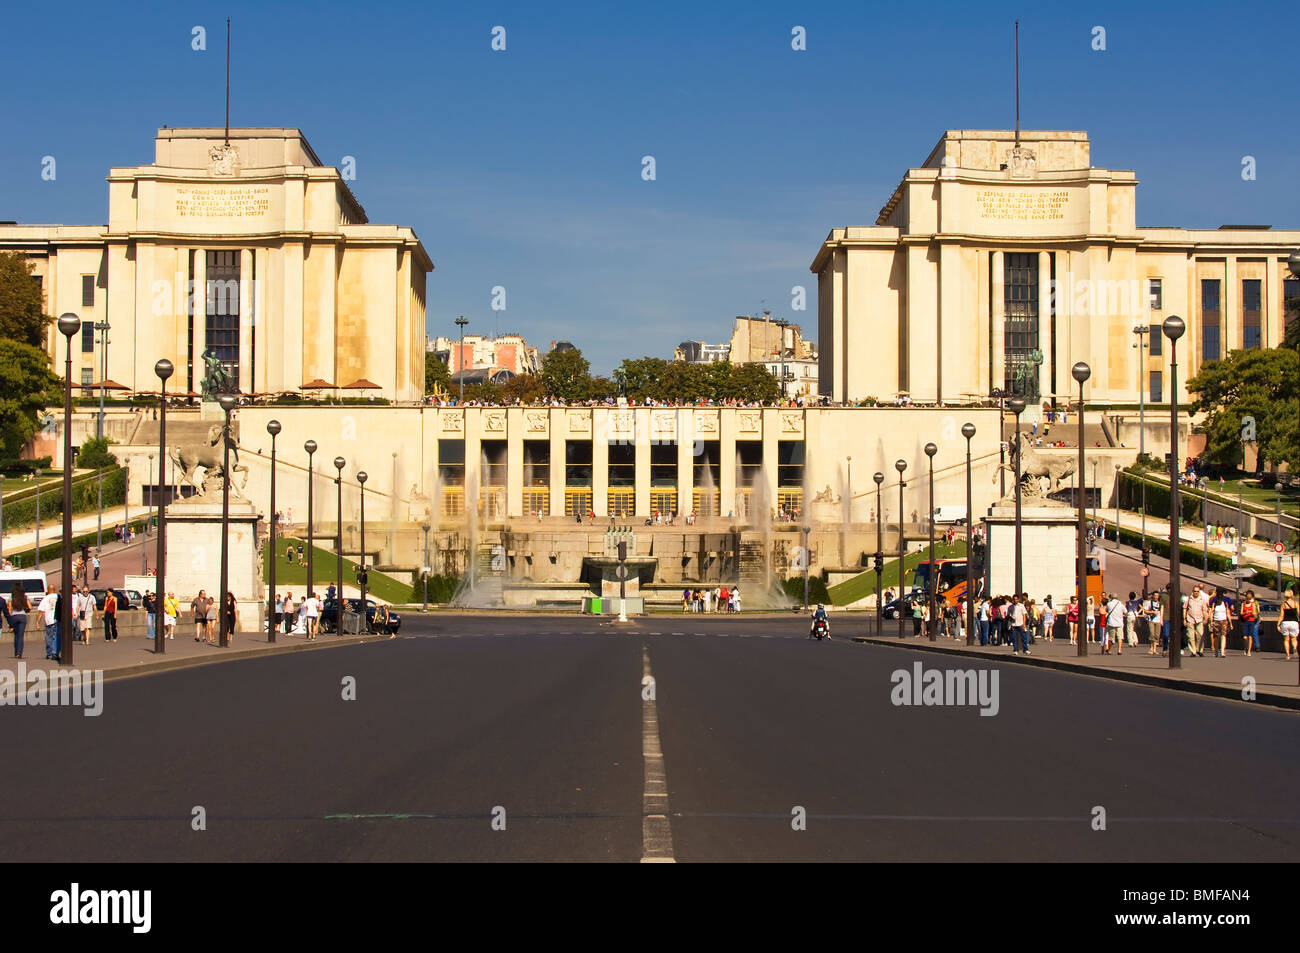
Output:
(54, 550)
(1157, 500)
(1195, 557)
(85, 499)
(793, 588)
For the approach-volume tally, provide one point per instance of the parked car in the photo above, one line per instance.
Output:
(890, 610)
(329, 615)
(33, 582)
(123, 599)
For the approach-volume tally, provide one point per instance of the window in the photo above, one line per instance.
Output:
(789, 463)
(87, 375)
(1251, 307)
(622, 465)
(222, 295)
(1210, 294)
(1210, 344)
(1156, 395)
(1020, 302)
(87, 291)
(1154, 294)
(1156, 339)
(87, 336)
(577, 463)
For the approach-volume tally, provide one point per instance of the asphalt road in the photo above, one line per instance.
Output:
(545, 718)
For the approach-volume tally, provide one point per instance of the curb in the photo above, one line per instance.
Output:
(1196, 688)
(171, 665)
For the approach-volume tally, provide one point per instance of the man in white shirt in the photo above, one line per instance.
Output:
(311, 606)
(49, 610)
(1115, 612)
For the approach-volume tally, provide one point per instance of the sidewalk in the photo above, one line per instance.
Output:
(134, 655)
(1275, 677)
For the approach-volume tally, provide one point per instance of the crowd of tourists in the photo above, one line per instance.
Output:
(717, 599)
(1208, 617)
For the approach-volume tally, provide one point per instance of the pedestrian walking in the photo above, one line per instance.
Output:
(311, 609)
(199, 607)
(1250, 622)
(1049, 620)
(49, 610)
(171, 611)
(150, 606)
(1220, 623)
(1114, 617)
(1288, 623)
(85, 614)
(1072, 619)
(110, 616)
(230, 617)
(1194, 616)
(95, 563)
(16, 616)
(1132, 612)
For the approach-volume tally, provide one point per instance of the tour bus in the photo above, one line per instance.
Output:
(32, 580)
(952, 579)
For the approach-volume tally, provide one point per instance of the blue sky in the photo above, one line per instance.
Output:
(523, 168)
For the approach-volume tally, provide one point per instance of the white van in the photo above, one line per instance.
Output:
(32, 580)
(950, 514)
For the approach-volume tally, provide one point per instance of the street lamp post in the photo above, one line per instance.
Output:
(1141, 330)
(1173, 328)
(880, 559)
(339, 464)
(103, 328)
(933, 585)
(163, 369)
(1293, 263)
(310, 447)
(968, 431)
(1081, 372)
(273, 428)
(1017, 405)
(1001, 394)
(144, 550)
(900, 466)
(425, 527)
(228, 403)
(361, 478)
(460, 358)
(69, 324)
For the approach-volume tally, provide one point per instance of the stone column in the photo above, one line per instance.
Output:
(600, 462)
(200, 306)
(246, 320)
(641, 427)
(515, 461)
(727, 447)
(771, 431)
(997, 377)
(559, 428)
(684, 432)
(1273, 320)
(1231, 335)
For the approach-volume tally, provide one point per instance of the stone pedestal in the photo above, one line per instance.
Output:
(194, 552)
(1048, 561)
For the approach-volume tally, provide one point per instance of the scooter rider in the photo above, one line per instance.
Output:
(819, 615)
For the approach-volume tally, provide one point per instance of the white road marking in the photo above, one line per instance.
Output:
(656, 833)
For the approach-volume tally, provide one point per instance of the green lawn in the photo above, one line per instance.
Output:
(324, 566)
(1252, 492)
(864, 584)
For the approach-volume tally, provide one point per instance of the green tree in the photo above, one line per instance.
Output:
(753, 382)
(26, 386)
(1291, 319)
(525, 388)
(567, 375)
(602, 388)
(21, 316)
(1262, 384)
(94, 454)
(437, 376)
(640, 377)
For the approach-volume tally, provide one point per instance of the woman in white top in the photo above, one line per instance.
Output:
(1155, 625)
(1049, 619)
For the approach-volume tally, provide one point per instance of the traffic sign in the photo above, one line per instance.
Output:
(1146, 571)
(1279, 548)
